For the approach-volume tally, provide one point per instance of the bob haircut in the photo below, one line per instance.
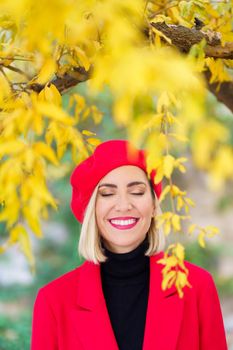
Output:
(90, 247)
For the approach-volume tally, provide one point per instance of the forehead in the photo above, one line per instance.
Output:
(125, 174)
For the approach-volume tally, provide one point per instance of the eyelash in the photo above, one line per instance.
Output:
(111, 194)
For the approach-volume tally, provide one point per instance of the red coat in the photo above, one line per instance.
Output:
(70, 313)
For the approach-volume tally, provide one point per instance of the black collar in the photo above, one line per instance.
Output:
(132, 267)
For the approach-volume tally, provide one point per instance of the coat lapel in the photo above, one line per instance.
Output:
(164, 312)
(92, 322)
(91, 319)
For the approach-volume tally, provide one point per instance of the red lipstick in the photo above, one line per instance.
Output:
(124, 227)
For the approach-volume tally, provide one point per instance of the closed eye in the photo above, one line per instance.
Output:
(111, 194)
(105, 195)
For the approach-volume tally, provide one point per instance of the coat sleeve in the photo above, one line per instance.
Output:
(44, 335)
(212, 333)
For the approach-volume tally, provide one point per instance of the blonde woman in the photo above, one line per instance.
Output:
(114, 300)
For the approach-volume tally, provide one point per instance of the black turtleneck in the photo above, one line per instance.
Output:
(125, 282)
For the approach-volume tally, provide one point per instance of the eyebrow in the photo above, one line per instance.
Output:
(130, 184)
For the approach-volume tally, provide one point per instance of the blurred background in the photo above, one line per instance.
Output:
(56, 253)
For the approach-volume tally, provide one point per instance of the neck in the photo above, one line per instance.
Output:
(130, 266)
(116, 250)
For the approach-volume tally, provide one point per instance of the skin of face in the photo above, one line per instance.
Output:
(124, 201)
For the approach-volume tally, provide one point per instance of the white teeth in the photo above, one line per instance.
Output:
(123, 222)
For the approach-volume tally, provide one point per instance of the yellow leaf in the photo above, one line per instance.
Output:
(93, 142)
(11, 210)
(168, 165)
(154, 120)
(80, 103)
(38, 123)
(179, 251)
(201, 240)
(52, 132)
(164, 193)
(97, 115)
(191, 228)
(159, 175)
(14, 234)
(182, 168)
(61, 148)
(88, 133)
(60, 172)
(159, 33)
(158, 43)
(152, 161)
(190, 202)
(181, 282)
(50, 94)
(19, 234)
(82, 58)
(167, 227)
(162, 261)
(171, 261)
(167, 278)
(28, 159)
(213, 230)
(182, 160)
(175, 191)
(47, 71)
(163, 101)
(122, 111)
(56, 95)
(161, 18)
(172, 281)
(5, 89)
(33, 220)
(45, 151)
(11, 147)
(54, 112)
(44, 194)
(25, 246)
(176, 222)
(180, 203)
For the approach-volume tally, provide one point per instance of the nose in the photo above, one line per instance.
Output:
(123, 203)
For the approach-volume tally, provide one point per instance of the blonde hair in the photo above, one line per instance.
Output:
(89, 246)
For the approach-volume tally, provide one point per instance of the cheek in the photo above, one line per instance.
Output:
(146, 206)
(101, 208)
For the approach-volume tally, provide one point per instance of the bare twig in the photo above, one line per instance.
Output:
(17, 70)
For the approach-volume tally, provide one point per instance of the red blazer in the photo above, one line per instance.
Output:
(70, 313)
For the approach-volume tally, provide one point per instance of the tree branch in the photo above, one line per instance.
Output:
(68, 80)
(183, 38)
(224, 94)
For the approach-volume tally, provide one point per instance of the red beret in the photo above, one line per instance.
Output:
(106, 157)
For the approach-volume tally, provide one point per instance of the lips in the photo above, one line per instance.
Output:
(124, 223)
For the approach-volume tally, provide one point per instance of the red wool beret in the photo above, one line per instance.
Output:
(106, 157)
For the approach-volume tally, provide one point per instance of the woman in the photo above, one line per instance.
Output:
(114, 300)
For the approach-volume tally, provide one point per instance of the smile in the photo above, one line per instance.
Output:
(123, 224)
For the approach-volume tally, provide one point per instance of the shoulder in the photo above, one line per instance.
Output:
(201, 280)
(197, 272)
(63, 284)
